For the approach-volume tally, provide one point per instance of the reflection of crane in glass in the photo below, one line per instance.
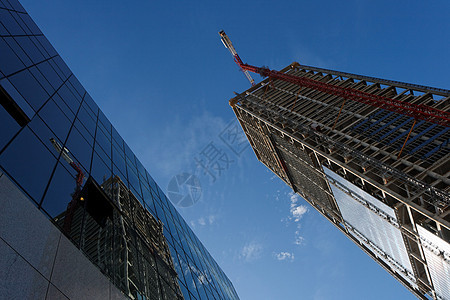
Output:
(76, 198)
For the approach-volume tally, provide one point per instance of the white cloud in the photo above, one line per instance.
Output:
(297, 211)
(298, 238)
(285, 256)
(192, 134)
(192, 223)
(251, 252)
(201, 221)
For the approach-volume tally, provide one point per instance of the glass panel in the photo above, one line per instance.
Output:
(32, 27)
(104, 122)
(64, 108)
(100, 170)
(18, 99)
(148, 201)
(134, 183)
(118, 141)
(29, 163)
(42, 80)
(8, 126)
(141, 169)
(3, 30)
(103, 155)
(47, 46)
(56, 120)
(29, 88)
(20, 22)
(18, 51)
(16, 5)
(10, 23)
(9, 62)
(60, 191)
(79, 148)
(62, 66)
(129, 154)
(30, 49)
(103, 141)
(119, 162)
(51, 75)
(5, 5)
(68, 98)
(77, 86)
(90, 104)
(88, 123)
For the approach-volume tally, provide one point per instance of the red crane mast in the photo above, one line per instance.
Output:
(416, 111)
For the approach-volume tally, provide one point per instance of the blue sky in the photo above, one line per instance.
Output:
(161, 75)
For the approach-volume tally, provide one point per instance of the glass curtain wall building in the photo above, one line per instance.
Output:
(59, 151)
(342, 157)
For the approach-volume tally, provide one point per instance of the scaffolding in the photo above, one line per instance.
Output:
(297, 131)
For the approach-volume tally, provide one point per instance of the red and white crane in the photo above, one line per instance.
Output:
(417, 111)
(227, 43)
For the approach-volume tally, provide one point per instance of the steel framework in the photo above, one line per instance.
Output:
(296, 132)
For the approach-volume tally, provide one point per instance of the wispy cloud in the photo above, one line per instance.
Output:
(286, 256)
(298, 240)
(203, 221)
(251, 252)
(193, 135)
(297, 211)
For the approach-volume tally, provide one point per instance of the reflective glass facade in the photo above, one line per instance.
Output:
(43, 105)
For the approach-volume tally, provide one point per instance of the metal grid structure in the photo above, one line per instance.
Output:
(124, 240)
(297, 131)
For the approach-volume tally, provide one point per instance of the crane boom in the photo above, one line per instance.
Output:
(227, 43)
(417, 111)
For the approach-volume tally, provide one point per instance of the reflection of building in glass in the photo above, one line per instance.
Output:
(124, 240)
(342, 157)
(44, 107)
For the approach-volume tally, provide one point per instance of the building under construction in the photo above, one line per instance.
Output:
(371, 155)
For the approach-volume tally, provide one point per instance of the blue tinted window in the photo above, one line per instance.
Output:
(60, 190)
(30, 24)
(17, 97)
(29, 163)
(46, 45)
(30, 49)
(56, 120)
(9, 61)
(10, 23)
(11, 42)
(30, 89)
(87, 121)
(79, 148)
(68, 98)
(50, 74)
(100, 169)
(8, 126)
